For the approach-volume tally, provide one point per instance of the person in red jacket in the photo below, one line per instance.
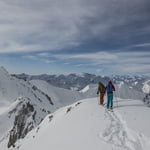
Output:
(101, 89)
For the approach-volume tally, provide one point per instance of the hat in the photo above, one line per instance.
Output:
(110, 82)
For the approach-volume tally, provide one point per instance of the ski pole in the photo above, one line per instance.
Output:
(98, 99)
(116, 99)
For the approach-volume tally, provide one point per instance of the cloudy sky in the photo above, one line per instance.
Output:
(62, 36)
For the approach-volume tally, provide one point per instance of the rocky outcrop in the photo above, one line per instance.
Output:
(23, 123)
(147, 99)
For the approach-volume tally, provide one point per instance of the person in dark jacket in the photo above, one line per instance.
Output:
(110, 88)
(101, 89)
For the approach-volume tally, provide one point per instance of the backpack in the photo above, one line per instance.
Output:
(109, 88)
(101, 88)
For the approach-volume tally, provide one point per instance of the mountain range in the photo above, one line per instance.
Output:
(25, 100)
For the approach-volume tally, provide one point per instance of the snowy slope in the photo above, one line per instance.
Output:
(23, 105)
(60, 96)
(87, 125)
(146, 87)
(122, 90)
(146, 90)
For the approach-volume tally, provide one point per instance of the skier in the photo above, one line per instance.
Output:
(110, 88)
(101, 89)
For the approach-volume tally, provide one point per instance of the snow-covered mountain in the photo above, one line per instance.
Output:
(122, 91)
(23, 105)
(80, 81)
(61, 97)
(134, 82)
(146, 90)
(86, 125)
(72, 81)
(127, 86)
(146, 87)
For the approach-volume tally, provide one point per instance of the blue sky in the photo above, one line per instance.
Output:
(53, 36)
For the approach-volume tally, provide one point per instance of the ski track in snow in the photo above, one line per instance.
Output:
(119, 135)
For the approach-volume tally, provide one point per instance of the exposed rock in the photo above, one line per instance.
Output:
(68, 109)
(146, 99)
(22, 125)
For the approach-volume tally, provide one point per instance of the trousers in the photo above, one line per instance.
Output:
(109, 100)
(102, 98)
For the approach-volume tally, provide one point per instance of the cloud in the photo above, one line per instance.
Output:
(39, 58)
(106, 34)
(106, 57)
(99, 70)
(67, 63)
(47, 61)
(124, 62)
(134, 68)
(30, 57)
(43, 54)
(40, 25)
(98, 55)
(141, 45)
(50, 25)
(133, 57)
(80, 65)
(89, 56)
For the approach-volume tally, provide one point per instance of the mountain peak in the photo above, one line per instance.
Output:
(3, 70)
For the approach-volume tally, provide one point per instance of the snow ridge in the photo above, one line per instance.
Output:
(93, 123)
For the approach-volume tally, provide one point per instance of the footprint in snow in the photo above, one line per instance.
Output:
(118, 134)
